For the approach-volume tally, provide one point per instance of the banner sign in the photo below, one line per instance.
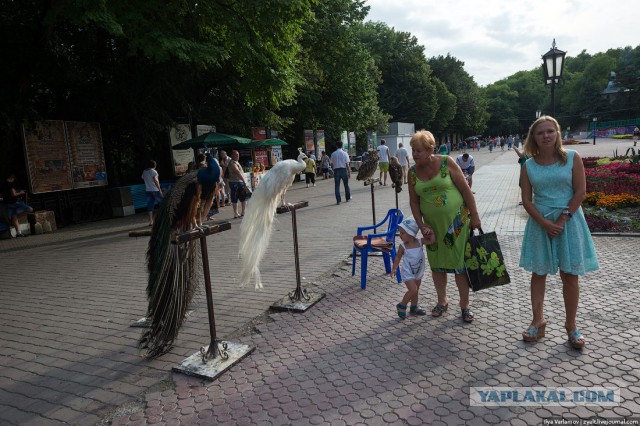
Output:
(352, 143)
(261, 156)
(201, 129)
(276, 154)
(259, 133)
(47, 156)
(308, 140)
(181, 158)
(320, 142)
(86, 154)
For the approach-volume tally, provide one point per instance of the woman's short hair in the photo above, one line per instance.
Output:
(151, 164)
(423, 138)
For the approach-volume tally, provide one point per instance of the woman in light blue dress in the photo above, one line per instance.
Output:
(556, 236)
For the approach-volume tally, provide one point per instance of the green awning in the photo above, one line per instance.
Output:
(266, 142)
(212, 139)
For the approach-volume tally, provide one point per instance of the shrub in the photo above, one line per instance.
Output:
(600, 224)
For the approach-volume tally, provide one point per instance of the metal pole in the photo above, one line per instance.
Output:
(594, 130)
(553, 98)
(294, 224)
(212, 352)
(373, 204)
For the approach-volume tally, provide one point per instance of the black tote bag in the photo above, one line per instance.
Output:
(484, 262)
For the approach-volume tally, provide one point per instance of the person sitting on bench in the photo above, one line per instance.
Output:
(15, 207)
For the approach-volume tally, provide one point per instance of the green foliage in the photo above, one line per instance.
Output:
(339, 76)
(471, 106)
(577, 97)
(137, 67)
(406, 91)
(446, 110)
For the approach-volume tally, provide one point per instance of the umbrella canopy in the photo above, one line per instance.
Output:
(212, 139)
(266, 142)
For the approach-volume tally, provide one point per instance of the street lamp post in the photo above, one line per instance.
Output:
(595, 124)
(552, 63)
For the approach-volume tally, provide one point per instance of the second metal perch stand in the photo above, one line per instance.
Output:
(299, 299)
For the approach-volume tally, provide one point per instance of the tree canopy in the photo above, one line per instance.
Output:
(138, 68)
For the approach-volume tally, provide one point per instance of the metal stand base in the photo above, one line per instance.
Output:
(193, 366)
(144, 322)
(289, 303)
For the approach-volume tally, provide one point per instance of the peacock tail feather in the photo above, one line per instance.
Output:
(173, 269)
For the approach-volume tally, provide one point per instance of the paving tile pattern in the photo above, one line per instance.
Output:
(351, 361)
(68, 355)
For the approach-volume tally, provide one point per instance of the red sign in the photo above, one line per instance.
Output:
(262, 156)
(259, 133)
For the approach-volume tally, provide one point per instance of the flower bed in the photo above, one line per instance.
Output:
(573, 142)
(613, 194)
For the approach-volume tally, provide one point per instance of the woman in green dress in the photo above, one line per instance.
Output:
(442, 203)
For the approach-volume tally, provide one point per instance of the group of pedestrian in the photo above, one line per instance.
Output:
(232, 189)
(556, 237)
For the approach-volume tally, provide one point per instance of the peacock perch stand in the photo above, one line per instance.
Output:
(372, 182)
(217, 357)
(394, 186)
(299, 300)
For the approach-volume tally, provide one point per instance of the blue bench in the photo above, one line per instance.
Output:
(139, 194)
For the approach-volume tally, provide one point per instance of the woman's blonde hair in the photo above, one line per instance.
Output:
(423, 138)
(531, 147)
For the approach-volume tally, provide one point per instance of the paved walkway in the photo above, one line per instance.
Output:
(68, 355)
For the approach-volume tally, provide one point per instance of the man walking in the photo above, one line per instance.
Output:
(383, 163)
(403, 159)
(468, 166)
(341, 172)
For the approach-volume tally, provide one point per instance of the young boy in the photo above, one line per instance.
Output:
(411, 254)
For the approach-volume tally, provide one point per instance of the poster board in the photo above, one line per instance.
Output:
(320, 142)
(86, 154)
(276, 154)
(201, 129)
(259, 133)
(308, 141)
(352, 143)
(262, 156)
(47, 156)
(181, 158)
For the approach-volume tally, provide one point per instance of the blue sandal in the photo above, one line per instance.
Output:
(417, 310)
(402, 311)
(533, 333)
(576, 339)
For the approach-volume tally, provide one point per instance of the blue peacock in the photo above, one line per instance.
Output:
(173, 269)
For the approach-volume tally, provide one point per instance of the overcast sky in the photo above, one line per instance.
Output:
(497, 38)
